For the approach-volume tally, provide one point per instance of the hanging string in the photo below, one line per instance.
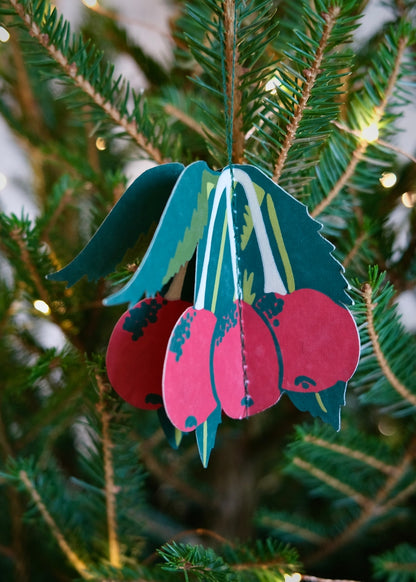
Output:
(228, 92)
(228, 89)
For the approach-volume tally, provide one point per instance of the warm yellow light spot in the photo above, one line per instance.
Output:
(409, 199)
(42, 306)
(4, 34)
(388, 179)
(273, 84)
(3, 181)
(296, 577)
(100, 144)
(370, 133)
(386, 426)
(90, 3)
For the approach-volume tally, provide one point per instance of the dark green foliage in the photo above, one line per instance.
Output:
(127, 505)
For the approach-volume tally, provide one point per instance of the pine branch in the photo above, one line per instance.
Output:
(110, 486)
(331, 481)
(16, 235)
(342, 181)
(310, 74)
(70, 554)
(378, 141)
(291, 527)
(370, 460)
(355, 249)
(400, 388)
(70, 68)
(374, 507)
(16, 552)
(359, 151)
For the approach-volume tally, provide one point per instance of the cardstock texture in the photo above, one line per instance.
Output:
(269, 315)
(139, 207)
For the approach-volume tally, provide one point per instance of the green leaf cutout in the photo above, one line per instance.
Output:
(325, 404)
(140, 206)
(205, 435)
(174, 242)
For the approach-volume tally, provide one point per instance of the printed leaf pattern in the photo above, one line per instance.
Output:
(269, 315)
(140, 206)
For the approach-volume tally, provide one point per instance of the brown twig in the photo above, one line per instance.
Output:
(356, 157)
(70, 69)
(16, 552)
(110, 486)
(375, 507)
(357, 245)
(310, 76)
(353, 454)
(332, 481)
(381, 142)
(16, 235)
(357, 154)
(306, 578)
(72, 557)
(306, 534)
(184, 118)
(400, 388)
(234, 94)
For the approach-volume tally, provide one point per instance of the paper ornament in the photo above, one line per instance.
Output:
(269, 315)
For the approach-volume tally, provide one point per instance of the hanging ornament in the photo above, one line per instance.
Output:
(269, 315)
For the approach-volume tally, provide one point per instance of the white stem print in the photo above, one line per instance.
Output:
(272, 279)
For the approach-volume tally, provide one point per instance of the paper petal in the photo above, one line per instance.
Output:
(187, 389)
(246, 367)
(175, 240)
(139, 207)
(318, 341)
(136, 350)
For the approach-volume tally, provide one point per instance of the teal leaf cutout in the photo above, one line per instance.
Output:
(180, 228)
(140, 206)
(172, 434)
(205, 435)
(311, 263)
(325, 404)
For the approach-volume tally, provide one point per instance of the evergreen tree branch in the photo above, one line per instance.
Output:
(233, 72)
(381, 142)
(165, 475)
(307, 578)
(332, 481)
(355, 249)
(16, 552)
(310, 74)
(374, 507)
(293, 528)
(71, 70)
(356, 157)
(184, 118)
(16, 235)
(354, 454)
(72, 557)
(110, 486)
(367, 293)
(361, 148)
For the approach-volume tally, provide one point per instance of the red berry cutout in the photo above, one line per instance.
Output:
(187, 390)
(137, 347)
(318, 340)
(245, 388)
